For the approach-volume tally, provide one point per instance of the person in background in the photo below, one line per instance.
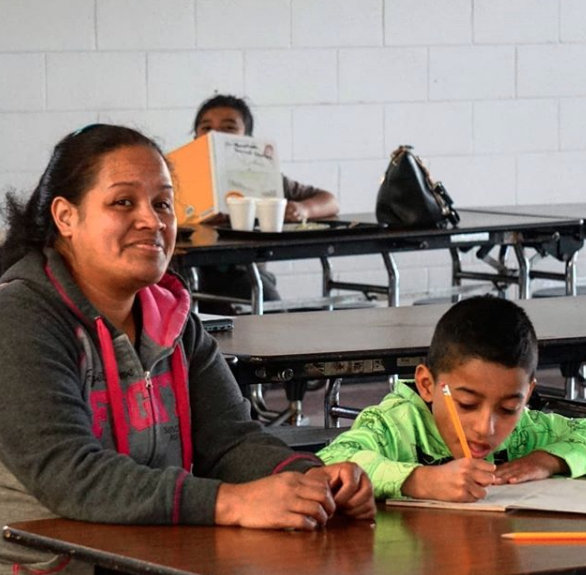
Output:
(485, 350)
(230, 114)
(117, 406)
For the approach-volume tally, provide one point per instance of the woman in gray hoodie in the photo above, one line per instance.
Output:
(116, 404)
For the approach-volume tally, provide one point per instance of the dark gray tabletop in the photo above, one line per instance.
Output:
(379, 340)
(569, 210)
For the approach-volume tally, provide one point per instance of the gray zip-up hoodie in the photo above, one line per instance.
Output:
(97, 429)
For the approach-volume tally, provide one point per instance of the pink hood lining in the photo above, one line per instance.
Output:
(164, 305)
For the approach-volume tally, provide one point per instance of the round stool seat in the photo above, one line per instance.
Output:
(448, 299)
(556, 292)
(432, 300)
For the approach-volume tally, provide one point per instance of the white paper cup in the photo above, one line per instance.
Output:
(242, 213)
(271, 214)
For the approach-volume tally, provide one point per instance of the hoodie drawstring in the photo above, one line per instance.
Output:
(179, 378)
(115, 397)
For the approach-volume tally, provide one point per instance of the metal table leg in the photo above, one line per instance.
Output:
(523, 262)
(256, 299)
(194, 286)
(333, 411)
(393, 277)
(571, 287)
(456, 267)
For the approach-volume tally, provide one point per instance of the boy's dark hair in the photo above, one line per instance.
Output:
(487, 328)
(70, 173)
(226, 101)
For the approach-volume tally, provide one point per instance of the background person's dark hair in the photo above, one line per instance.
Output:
(70, 173)
(226, 101)
(486, 328)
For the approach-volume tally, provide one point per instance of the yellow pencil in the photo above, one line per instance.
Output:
(455, 419)
(546, 536)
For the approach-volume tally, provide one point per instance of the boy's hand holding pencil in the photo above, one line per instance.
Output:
(459, 480)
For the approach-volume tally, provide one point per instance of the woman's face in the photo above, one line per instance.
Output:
(122, 235)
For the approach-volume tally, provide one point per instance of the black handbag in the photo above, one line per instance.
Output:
(408, 198)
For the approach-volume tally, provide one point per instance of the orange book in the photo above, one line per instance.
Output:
(208, 168)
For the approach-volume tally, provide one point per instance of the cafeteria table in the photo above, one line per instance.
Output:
(359, 234)
(404, 541)
(291, 349)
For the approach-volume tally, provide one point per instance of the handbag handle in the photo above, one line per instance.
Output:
(406, 149)
(437, 188)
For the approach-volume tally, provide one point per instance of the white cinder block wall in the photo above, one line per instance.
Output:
(492, 93)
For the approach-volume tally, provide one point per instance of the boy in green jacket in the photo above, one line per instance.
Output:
(485, 350)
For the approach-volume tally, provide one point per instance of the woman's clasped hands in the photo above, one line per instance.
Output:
(296, 500)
